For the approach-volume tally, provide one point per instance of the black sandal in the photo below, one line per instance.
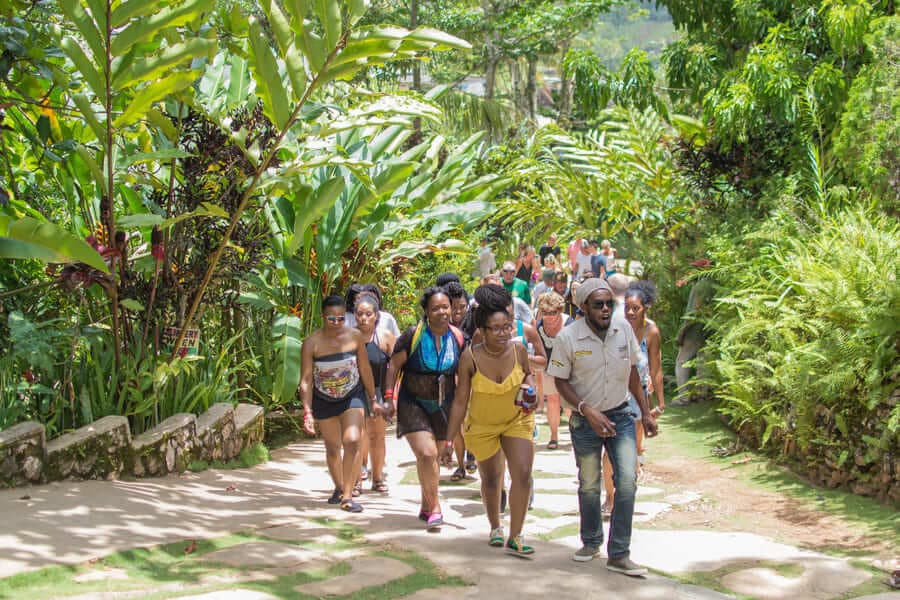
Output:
(378, 485)
(552, 445)
(458, 475)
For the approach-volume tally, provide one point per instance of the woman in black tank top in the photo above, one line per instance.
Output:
(379, 347)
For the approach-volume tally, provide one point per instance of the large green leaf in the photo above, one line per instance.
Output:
(288, 345)
(87, 111)
(84, 65)
(281, 27)
(269, 86)
(320, 203)
(89, 32)
(140, 30)
(30, 238)
(154, 92)
(151, 67)
(329, 13)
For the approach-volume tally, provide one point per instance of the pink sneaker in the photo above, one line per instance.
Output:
(435, 520)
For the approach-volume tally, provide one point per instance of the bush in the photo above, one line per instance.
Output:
(804, 358)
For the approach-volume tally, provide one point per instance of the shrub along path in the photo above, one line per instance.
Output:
(267, 532)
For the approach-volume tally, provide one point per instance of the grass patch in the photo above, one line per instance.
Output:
(249, 457)
(695, 430)
(543, 513)
(713, 579)
(410, 477)
(166, 571)
(560, 532)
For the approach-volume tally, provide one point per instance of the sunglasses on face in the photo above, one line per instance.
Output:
(598, 304)
(332, 319)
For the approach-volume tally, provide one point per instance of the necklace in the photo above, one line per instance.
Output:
(494, 354)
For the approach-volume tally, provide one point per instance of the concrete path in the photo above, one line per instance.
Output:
(76, 522)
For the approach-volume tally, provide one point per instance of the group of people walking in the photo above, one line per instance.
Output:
(466, 380)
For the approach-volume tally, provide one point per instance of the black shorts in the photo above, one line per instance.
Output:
(326, 409)
(412, 417)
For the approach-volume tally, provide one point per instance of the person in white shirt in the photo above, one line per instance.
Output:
(486, 260)
(583, 261)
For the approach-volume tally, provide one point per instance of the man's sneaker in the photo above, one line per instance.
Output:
(625, 565)
(497, 537)
(585, 554)
(517, 547)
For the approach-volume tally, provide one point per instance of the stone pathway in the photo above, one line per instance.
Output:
(293, 544)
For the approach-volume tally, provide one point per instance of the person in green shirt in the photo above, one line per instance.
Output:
(516, 287)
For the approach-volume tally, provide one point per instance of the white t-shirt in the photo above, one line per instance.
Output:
(486, 261)
(583, 265)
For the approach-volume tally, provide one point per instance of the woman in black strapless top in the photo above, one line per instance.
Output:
(379, 347)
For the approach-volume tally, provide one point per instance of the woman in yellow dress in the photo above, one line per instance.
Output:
(495, 395)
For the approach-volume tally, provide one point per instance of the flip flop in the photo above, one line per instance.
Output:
(458, 475)
(552, 445)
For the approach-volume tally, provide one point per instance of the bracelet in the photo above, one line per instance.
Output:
(388, 394)
(580, 404)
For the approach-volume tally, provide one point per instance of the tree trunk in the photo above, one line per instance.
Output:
(413, 23)
(531, 87)
(492, 54)
(516, 82)
(565, 89)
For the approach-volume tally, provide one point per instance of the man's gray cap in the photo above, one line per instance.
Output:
(590, 286)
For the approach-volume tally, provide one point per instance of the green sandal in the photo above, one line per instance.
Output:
(517, 547)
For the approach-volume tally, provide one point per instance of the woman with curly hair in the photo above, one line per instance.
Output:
(553, 319)
(495, 395)
(639, 297)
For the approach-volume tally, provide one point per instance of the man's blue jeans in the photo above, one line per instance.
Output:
(622, 451)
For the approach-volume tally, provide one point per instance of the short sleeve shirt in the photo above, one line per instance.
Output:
(598, 370)
(519, 289)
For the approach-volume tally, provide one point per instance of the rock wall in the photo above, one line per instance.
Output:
(105, 450)
(95, 451)
(21, 454)
(167, 448)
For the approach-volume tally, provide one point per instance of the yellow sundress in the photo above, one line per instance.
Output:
(492, 413)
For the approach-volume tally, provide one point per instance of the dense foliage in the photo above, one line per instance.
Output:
(220, 166)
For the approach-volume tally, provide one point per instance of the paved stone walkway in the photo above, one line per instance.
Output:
(283, 501)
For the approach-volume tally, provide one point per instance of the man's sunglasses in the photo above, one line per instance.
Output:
(331, 319)
(598, 304)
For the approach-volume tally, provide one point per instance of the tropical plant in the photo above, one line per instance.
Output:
(805, 351)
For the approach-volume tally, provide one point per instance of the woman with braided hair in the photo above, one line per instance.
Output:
(495, 395)
(425, 360)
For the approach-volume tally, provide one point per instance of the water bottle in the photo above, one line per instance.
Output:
(527, 399)
(530, 349)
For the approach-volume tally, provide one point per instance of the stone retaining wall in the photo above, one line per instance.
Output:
(21, 454)
(216, 435)
(96, 451)
(167, 448)
(105, 450)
